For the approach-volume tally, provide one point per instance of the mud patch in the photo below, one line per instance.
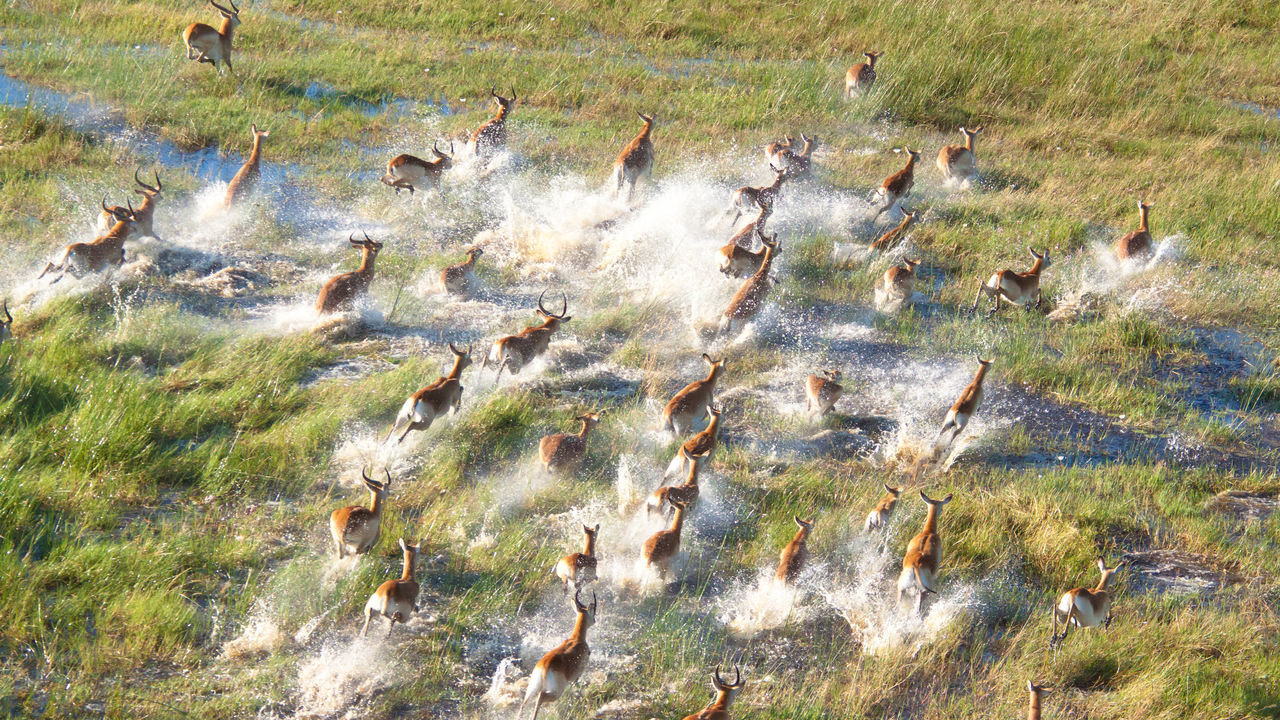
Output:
(1244, 505)
(1176, 572)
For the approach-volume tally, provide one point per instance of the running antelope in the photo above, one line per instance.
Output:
(491, 137)
(898, 185)
(1083, 607)
(106, 251)
(747, 302)
(725, 695)
(144, 214)
(1033, 704)
(822, 391)
(797, 164)
(795, 555)
(457, 279)
(661, 547)
(686, 494)
(776, 149)
(636, 159)
(513, 352)
(406, 172)
(6, 325)
(562, 664)
(878, 518)
(207, 45)
(737, 259)
(700, 445)
(964, 408)
(748, 197)
(434, 400)
(247, 178)
(1136, 244)
(356, 529)
(580, 568)
(862, 76)
(342, 290)
(899, 282)
(924, 552)
(693, 400)
(563, 452)
(397, 599)
(1014, 288)
(957, 162)
(894, 236)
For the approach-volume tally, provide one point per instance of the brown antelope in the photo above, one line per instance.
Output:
(563, 452)
(725, 695)
(397, 599)
(693, 400)
(580, 568)
(342, 290)
(1033, 705)
(795, 555)
(144, 214)
(862, 76)
(491, 137)
(737, 260)
(1013, 287)
(702, 444)
(797, 164)
(636, 159)
(434, 400)
(457, 279)
(899, 282)
(749, 300)
(898, 185)
(822, 391)
(686, 494)
(247, 178)
(775, 150)
(356, 529)
(513, 352)
(661, 547)
(957, 162)
(878, 518)
(896, 235)
(748, 197)
(405, 172)
(963, 409)
(1083, 607)
(101, 253)
(1136, 244)
(924, 552)
(562, 664)
(205, 44)
(6, 325)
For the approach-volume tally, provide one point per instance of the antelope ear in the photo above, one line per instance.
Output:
(403, 546)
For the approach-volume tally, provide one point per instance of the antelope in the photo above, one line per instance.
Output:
(342, 290)
(964, 408)
(822, 391)
(396, 599)
(562, 664)
(920, 565)
(1137, 243)
(144, 214)
(661, 547)
(513, 352)
(891, 238)
(1033, 705)
(737, 260)
(247, 177)
(702, 444)
(775, 150)
(795, 554)
(797, 164)
(456, 279)
(101, 252)
(492, 135)
(725, 695)
(862, 76)
(1084, 607)
(434, 400)
(957, 162)
(900, 282)
(580, 568)
(749, 299)
(562, 452)
(878, 518)
(206, 45)
(404, 172)
(1014, 288)
(356, 529)
(6, 325)
(694, 399)
(686, 494)
(747, 197)
(635, 160)
(898, 185)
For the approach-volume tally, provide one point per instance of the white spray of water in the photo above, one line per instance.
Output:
(342, 676)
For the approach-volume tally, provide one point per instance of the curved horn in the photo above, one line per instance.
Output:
(450, 146)
(435, 147)
(220, 8)
(129, 202)
(352, 239)
(387, 484)
(138, 180)
(577, 601)
(493, 93)
(717, 681)
(564, 304)
(513, 93)
(540, 308)
(366, 236)
(364, 473)
(104, 204)
(9, 318)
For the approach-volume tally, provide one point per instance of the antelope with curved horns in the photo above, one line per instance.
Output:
(492, 135)
(878, 518)
(434, 400)
(797, 164)
(661, 547)
(737, 260)
(748, 197)
(580, 568)
(822, 391)
(1013, 287)
(144, 214)
(356, 529)
(405, 172)
(205, 44)
(924, 552)
(6, 325)
(395, 599)
(725, 695)
(1033, 704)
(342, 290)
(563, 664)
(895, 235)
(775, 150)
(862, 76)
(563, 452)
(898, 185)
(957, 162)
(1083, 607)
(748, 301)
(693, 400)
(106, 251)
(701, 445)
(686, 494)
(247, 178)
(963, 408)
(1136, 244)
(513, 352)
(636, 159)
(457, 279)
(899, 282)
(795, 555)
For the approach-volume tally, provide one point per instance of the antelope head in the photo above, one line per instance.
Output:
(445, 160)
(461, 359)
(717, 366)
(504, 104)
(151, 192)
(726, 693)
(833, 375)
(1107, 574)
(129, 216)
(586, 612)
(368, 244)
(553, 320)
(231, 18)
